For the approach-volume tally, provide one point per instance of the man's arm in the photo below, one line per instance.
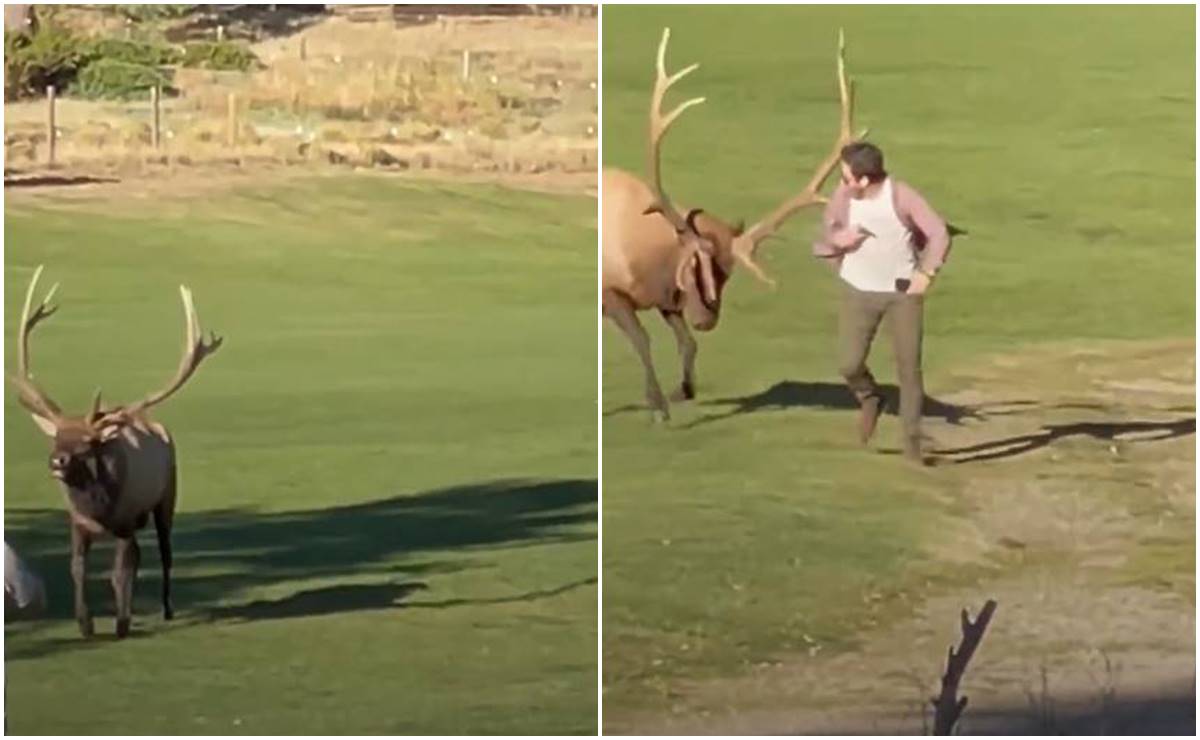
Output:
(913, 208)
(833, 220)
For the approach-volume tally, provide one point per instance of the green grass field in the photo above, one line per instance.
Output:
(388, 473)
(753, 528)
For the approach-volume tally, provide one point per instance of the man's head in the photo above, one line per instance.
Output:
(862, 166)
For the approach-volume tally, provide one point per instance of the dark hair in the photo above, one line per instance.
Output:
(865, 160)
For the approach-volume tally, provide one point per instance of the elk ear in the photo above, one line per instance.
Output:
(48, 428)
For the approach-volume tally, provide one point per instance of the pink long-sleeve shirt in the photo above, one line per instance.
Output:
(930, 235)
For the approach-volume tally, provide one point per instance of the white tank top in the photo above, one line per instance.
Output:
(885, 257)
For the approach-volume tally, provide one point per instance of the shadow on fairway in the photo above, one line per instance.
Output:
(337, 599)
(39, 181)
(1146, 431)
(1170, 710)
(788, 394)
(220, 555)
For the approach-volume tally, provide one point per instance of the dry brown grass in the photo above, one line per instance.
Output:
(365, 94)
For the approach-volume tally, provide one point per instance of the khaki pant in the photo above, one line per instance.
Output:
(860, 316)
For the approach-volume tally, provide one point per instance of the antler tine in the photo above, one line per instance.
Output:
(845, 127)
(659, 124)
(31, 396)
(745, 246)
(194, 351)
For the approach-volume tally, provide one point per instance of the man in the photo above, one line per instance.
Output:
(23, 589)
(886, 244)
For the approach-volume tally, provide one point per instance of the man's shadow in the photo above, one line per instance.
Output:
(1153, 431)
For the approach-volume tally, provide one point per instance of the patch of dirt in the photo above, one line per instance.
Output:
(1074, 508)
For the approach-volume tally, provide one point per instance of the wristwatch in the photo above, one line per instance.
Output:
(931, 274)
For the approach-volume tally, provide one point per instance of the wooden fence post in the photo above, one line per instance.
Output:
(51, 128)
(156, 131)
(232, 119)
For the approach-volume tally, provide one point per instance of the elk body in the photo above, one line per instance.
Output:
(116, 466)
(656, 256)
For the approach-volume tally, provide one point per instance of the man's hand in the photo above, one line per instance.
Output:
(850, 238)
(919, 284)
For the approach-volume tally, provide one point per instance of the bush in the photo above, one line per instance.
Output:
(152, 12)
(134, 52)
(219, 55)
(52, 56)
(113, 79)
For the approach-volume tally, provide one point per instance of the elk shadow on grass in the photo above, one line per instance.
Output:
(787, 394)
(385, 551)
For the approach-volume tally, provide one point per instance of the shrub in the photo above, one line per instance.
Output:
(134, 52)
(113, 79)
(141, 13)
(52, 56)
(218, 55)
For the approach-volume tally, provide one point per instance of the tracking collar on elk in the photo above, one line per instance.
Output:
(698, 248)
(100, 424)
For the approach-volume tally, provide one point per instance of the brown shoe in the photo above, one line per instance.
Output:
(868, 416)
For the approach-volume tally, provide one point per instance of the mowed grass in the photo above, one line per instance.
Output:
(387, 521)
(752, 527)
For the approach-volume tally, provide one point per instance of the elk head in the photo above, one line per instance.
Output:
(78, 452)
(711, 248)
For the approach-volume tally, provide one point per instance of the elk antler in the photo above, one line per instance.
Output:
(194, 351)
(695, 246)
(947, 704)
(746, 245)
(658, 129)
(30, 395)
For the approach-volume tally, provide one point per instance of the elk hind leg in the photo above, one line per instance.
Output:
(81, 542)
(164, 515)
(622, 313)
(687, 355)
(124, 575)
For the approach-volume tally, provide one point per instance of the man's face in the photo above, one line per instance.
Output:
(856, 187)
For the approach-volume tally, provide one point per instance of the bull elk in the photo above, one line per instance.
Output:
(656, 255)
(115, 465)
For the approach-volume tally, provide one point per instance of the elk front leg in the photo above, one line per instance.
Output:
(687, 355)
(618, 308)
(81, 542)
(123, 576)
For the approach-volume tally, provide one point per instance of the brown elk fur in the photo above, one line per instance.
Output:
(655, 255)
(116, 467)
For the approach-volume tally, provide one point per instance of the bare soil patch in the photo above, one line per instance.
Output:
(1073, 507)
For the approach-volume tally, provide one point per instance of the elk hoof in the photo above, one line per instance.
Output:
(660, 416)
(168, 613)
(122, 628)
(685, 392)
(86, 628)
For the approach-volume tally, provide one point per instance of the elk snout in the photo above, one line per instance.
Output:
(58, 465)
(706, 323)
